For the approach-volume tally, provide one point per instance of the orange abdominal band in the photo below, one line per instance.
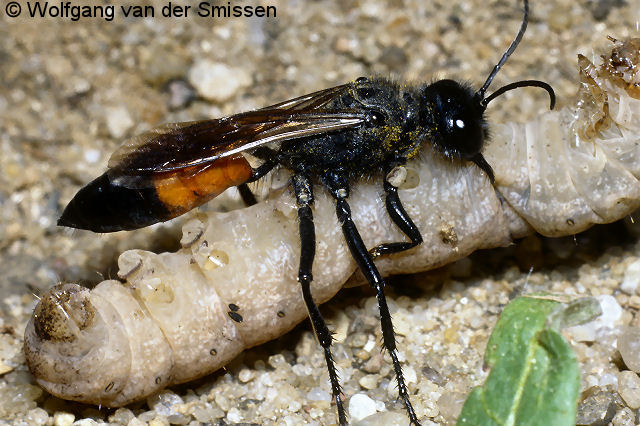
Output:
(184, 189)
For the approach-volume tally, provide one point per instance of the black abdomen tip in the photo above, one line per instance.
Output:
(101, 206)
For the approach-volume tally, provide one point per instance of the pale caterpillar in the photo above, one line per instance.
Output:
(236, 273)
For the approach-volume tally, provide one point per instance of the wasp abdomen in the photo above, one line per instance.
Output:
(103, 206)
(118, 202)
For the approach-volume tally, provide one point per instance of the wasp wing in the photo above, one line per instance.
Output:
(180, 145)
(311, 101)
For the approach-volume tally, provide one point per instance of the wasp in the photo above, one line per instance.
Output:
(370, 126)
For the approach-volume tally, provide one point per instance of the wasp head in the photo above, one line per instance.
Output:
(455, 117)
(454, 114)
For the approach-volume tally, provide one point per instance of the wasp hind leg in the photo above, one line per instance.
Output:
(338, 186)
(247, 196)
(303, 188)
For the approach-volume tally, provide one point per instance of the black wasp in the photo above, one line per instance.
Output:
(368, 126)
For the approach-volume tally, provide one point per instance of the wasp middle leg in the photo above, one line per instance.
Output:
(303, 189)
(338, 186)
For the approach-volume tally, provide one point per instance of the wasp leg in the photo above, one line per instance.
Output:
(484, 166)
(402, 220)
(339, 189)
(264, 168)
(303, 189)
(247, 196)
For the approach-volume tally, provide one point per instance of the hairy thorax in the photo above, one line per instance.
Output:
(392, 131)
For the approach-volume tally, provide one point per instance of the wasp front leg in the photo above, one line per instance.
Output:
(401, 219)
(337, 185)
(303, 189)
(480, 161)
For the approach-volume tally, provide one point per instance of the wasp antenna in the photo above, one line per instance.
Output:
(523, 83)
(508, 53)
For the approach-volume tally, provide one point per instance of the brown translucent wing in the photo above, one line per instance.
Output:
(181, 145)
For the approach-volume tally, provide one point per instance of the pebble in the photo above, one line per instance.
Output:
(629, 388)
(361, 406)
(611, 314)
(63, 419)
(410, 375)
(121, 416)
(450, 404)
(165, 404)
(162, 65)
(374, 364)
(278, 361)
(88, 422)
(607, 379)
(92, 156)
(245, 375)
(136, 422)
(217, 82)
(292, 420)
(402, 324)
(180, 94)
(596, 408)
(370, 381)
(37, 416)
(631, 278)
(317, 394)
(433, 375)
(4, 368)
(624, 417)
(207, 414)
(369, 345)
(119, 121)
(341, 327)
(385, 418)
(234, 415)
(629, 348)
(611, 311)
(634, 301)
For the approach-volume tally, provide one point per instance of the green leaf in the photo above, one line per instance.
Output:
(534, 377)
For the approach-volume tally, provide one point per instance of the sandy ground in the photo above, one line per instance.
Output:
(71, 91)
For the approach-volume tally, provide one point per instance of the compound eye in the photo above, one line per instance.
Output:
(457, 124)
(465, 136)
